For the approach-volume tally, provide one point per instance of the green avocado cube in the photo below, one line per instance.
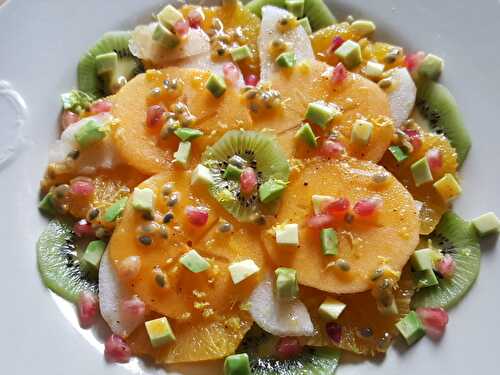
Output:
(187, 134)
(486, 224)
(307, 135)
(421, 172)
(423, 259)
(165, 37)
(201, 176)
(76, 101)
(398, 153)
(331, 309)
(90, 133)
(296, 7)
(106, 63)
(241, 53)
(181, 156)
(159, 332)
(329, 241)
(271, 190)
(361, 132)
(143, 199)
(363, 27)
(431, 67)
(92, 256)
(319, 201)
(287, 234)
(304, 22)
(287, 286)
(194, 261)
(216, 85)
(169, 16)
(242, 270)
(321, 113)
(350, 54)
(115, 210)
(46, 205)
(232, 173)
(425, 278)
(411, 328)
(237, 364)
(286, 59)
(374, 70)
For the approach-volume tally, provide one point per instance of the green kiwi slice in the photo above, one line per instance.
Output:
(128, 65)
(58, 263)
(244, 149)
(458, 238)
(260, 346)
(316, 11)
(440, 110)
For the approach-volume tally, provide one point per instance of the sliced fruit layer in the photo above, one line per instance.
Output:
(388, 239)
(455, 237)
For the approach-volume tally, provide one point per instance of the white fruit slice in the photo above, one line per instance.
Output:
(279, 317)
(402, 95)
(297, 39)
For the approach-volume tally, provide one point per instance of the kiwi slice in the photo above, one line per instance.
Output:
(128, 65)
(458, 238)
(316, 11)
(245, 149)
(58, 263)
(440, 110)
(260, 347)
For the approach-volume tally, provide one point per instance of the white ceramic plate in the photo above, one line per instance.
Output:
(40, 44)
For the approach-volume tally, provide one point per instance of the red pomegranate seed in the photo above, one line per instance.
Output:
(248, 181)
(320, 221)
(339, 74)
(101, 106)
(336, 42)
(129, 267)
(117, 350)
(446, 266)
(434, 321)
(181, 28)
(331, 149)
(68, 118)
(338, 207)
(288, 347)
(133, 309)
(154, 116)
(231, 73)
(82, 188)
(334, 331)
(415, 138)
(197, 215)
(367, 207)
(435, 159)
(251, 80)
(83, 228)
(87, 309)
(413, 61)
(195, 18)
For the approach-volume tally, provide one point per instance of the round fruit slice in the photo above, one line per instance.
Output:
(387, 239)
(458, 238)
(250, 152)
(142, 147)
(58, 263)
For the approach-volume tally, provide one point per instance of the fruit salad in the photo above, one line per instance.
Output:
(259, 185)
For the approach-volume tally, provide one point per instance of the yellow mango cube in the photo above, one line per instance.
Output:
(448, 187)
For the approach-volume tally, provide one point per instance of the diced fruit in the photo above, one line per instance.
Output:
(319, 202)
(287, 286)
(421, 172)
(154, 116)
(88, 307)
(287, 234)
(486, 224)
(271, 190)
(286, 59)
(288, 348)
(448, 187)
(201, 175)
(331, 309)
(92, 256)
(304, 22)
(423, 259)
(447, 266)
(169, 16)
(165, 37)
(296, 7)
(232, 173)
(367, 207)
(363, 27)
(321, 113)
(216, 85)
(46, 205)
(117, 350)
(338, 207)
(114, 211)
(90, 133)
(329, 241)
(194, 262)
(106, 63)
(159, 331)
(307, 135)
(83, 228)
(187, 134)
(237, 364)
(350, 54)
(197, 216)
(248, 181)
(411, 328)
(242, 270)
(434, 321)
(181, 156)
(143, 199)
(374, 70)
(241, 53)
(425, 278)
(361, 132)
(339, 74)
(431, 67)
(398, 153)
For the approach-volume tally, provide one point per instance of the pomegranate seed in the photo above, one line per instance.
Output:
(87, 309)
(336, 42)
(334, 331)
(101, 106)
(68, 118)
(446, 266)
(117, 350)
(331, 149)
(231, 73)
(181, 28)
(82, 188)
(83, 228)
(434, 321)
(339, 74)
(435, 159)
(338, 207)
(248, 181)
(320, 221)
(154, 116)
(251, 80)
(288, 347)
(197, 215)
(413, 61)
(367, 207)
(415, 138)
(195, 18)
(133, 309)
(129, 267)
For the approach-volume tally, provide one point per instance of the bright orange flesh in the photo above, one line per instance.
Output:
(388, 240)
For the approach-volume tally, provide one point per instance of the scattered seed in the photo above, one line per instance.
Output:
(168, 217)
(348, 218)
(384, 342)
(349, 19)
(167, 188)
(380, 178)
(163, 232)
(366, 332)
(148, 215)
(74, 154)
(61, 191)
(377, 274)
(225, 227)
(385, 83)
(92, 214)
(145, 240)
(392, 55)
(173, 200)
(101, 233)
(156, 92)
(343, 265)
(160, 277)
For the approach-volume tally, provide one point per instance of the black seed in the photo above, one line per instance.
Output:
(148, 215)
(168, 217)
(366, 332)
(145, 240)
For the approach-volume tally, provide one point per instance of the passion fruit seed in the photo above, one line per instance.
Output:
(385, 83)
(145, 240)
(343, 265)
(173, 200)
(167, 189)
(168, 217)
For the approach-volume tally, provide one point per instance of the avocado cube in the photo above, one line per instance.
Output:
(271, 190)
(242, 270)
(143, 199)
(486, 224)
(187, 134)
(296, 7)
(304, 22)
(331, 309)
(232, 173)
(106, 63)
(425, 278)
(241, 53)
(423, 259)
(90, 133)
(287, 234)
(165, 37)
(307, 135)
(286, 59)
(321, 113)
(287, 286)
(92, 256)
(237, 364)
(363, 27)
(181, 156)
(329, 241)
(194, 261)
(319, 201)
(411, 328)
(374, 70)
(431, 67)
(421, 172)
(361, 132)
(159, 332)
(201, 176)
(46, 205)
(350, 54)
(216, 85)
(448, 187)
(398, 153)
(169, 16)
(114, 211)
